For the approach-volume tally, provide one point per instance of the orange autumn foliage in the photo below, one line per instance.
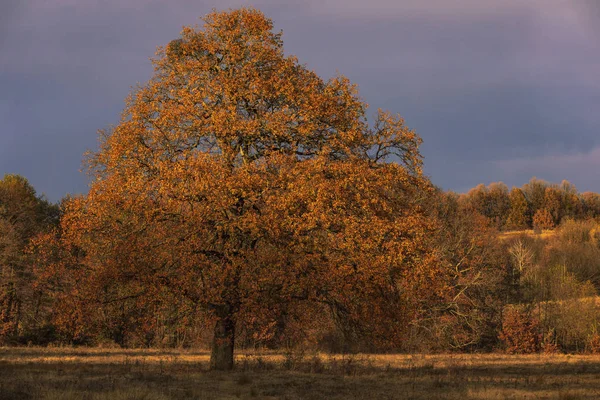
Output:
(242, 182)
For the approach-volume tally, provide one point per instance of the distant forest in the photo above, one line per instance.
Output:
(512, 289)
(536, 205)
(244, 202)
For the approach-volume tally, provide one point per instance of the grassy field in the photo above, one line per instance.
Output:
(76, 373)
(528, 232)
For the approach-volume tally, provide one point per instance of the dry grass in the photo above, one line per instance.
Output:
(75, 373)
(528, 232)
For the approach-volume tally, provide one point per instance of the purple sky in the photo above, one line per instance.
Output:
(500, 90)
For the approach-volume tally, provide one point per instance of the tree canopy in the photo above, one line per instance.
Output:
(241, 181)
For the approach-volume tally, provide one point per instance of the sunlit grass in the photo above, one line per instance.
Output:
(545, 234)
(81, 373)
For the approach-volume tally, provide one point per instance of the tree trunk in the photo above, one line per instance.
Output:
(221, 357)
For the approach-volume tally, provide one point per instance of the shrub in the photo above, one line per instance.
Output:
(550, 345)
(593, 342)
(520, 332)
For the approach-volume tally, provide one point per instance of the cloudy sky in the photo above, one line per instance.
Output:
(500, 90)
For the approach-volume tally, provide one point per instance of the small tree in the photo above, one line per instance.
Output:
(553, 203)
(534, 192)
(542, 220)
(520, 332)
(517, 215)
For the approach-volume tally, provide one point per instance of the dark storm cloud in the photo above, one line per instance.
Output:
(9, 11)
(481, 85)
(589, 10)
(498, 90)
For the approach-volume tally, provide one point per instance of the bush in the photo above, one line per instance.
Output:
(593, 343)
(550, 345)
(520, 332)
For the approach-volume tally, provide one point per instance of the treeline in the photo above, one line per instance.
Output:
(536, 205)
(517, 292)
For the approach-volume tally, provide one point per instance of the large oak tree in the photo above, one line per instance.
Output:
(241, 181)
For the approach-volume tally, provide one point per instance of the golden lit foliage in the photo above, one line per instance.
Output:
(542, 220)
(517, 216)
(240, 181)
